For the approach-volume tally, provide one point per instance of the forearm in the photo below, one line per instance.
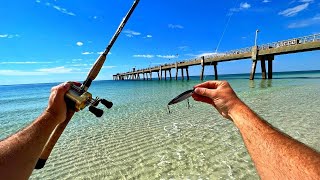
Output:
(276, 155)
(20, 152)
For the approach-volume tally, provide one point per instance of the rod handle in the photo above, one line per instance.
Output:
(97, 67)
(53, 140)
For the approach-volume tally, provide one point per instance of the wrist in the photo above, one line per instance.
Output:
(51, 117)
(236, 107)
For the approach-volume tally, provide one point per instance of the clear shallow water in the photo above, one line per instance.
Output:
(138, 139)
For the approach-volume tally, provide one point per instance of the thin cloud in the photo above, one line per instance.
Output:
(306, 1)
(242, 6)
(294, 11)
(266, 1)
(245, 5)
(63, 10)
(79, 65)
(108, 67)
(20, 73)
(79, 43)
(130, 33)
(38, 72)
(24, 62)
(175, 26)
(183, 48)
(306, 22)
(149, 36)
(9, 36)
(60, 9)
(167, 56)
(143, 56)
(55, 70)
(86, 53)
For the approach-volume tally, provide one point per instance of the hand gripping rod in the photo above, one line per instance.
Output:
(93, 73)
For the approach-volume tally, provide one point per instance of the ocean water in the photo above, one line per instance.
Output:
(138, 139)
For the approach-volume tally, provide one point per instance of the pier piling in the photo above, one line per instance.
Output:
(202, 68)
(270, 59)
(263, 67)
(187, 71)
(253, 69)
(182, 76)
(215, 70)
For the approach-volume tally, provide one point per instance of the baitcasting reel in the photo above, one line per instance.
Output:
(77, 99)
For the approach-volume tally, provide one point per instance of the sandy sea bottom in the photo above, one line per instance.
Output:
(138, 139)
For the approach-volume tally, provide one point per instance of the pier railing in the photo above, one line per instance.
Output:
(280, 46)
(294, 41)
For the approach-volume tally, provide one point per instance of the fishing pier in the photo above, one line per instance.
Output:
(262, 53)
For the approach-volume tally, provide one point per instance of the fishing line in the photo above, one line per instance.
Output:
(223, 33)
(185, 95)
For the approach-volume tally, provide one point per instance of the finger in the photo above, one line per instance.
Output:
(75, 83)
(205, 92)
(63, 88)
(70, 112)
(204, 99)
(209, 84)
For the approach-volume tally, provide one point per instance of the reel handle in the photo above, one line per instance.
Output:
(107, 103)
(97, 112)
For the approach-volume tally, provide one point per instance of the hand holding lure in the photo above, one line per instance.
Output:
(188, 93)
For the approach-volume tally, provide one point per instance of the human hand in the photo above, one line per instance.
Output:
(57, 107)
(219, 94)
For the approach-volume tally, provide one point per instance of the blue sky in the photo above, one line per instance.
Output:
(59, 40)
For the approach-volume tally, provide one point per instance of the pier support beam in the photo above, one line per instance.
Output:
(270, 69)
(263, 67)
(202, 68)
(176, 66)
(165, 74)
(187, 71)
(182, 76)
(215, 70)
(150, 75)
(253, 69)
(170, 74)
(160, 73)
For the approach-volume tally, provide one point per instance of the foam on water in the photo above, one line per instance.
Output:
(138, 139)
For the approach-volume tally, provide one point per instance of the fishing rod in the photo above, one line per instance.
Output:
(77, 98)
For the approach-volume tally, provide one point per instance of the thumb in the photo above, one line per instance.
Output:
(203, 92)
